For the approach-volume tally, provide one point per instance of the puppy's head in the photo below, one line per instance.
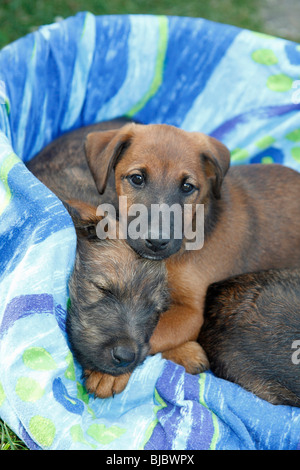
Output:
(115, 299)
(155, 165)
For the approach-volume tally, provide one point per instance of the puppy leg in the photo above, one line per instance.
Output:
(105, 385)
(175, 336)
(190, 355)
(176, 326)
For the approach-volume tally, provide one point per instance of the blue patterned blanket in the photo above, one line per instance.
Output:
(239, 86)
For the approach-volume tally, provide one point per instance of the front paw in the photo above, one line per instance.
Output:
(104, 385)
(190, 355)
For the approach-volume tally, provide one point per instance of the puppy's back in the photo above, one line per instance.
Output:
(252, 323)
(265, 207)
(63, 168)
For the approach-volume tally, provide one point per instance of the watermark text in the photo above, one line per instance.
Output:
(160, 221)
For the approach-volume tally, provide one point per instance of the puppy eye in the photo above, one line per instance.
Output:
(105, 291)
(187, 188)
(136, 180)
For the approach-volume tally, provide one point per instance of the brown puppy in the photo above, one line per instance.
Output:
(251, 333)
(251, 215)
(116, 296)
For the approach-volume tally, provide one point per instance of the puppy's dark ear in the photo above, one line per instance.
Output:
(84, 218)
(216, 161)
(102, 150)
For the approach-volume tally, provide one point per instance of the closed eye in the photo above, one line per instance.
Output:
(104, 290)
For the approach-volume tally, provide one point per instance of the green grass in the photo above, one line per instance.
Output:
(19, 17)
(8, 440)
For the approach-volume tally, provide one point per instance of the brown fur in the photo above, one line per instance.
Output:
(252, 213)
(97, 321)
(251, 322)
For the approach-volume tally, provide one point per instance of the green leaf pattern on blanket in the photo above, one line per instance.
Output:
(264, 56)
(277, 83)
(42, 430)
(103, 434)
(161, 404)
(38, 359)
(78, 437)
(82, 394)
(265, 142)
(2, 395)
(294, 136)
(70, 371)
(6, 166)
(29, 389)
(296, 153)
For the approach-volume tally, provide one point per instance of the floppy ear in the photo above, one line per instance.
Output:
(102, 150)
(216, 160)
(84, 218)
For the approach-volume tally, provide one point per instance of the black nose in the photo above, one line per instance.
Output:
(122, 356)
(157, 244)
